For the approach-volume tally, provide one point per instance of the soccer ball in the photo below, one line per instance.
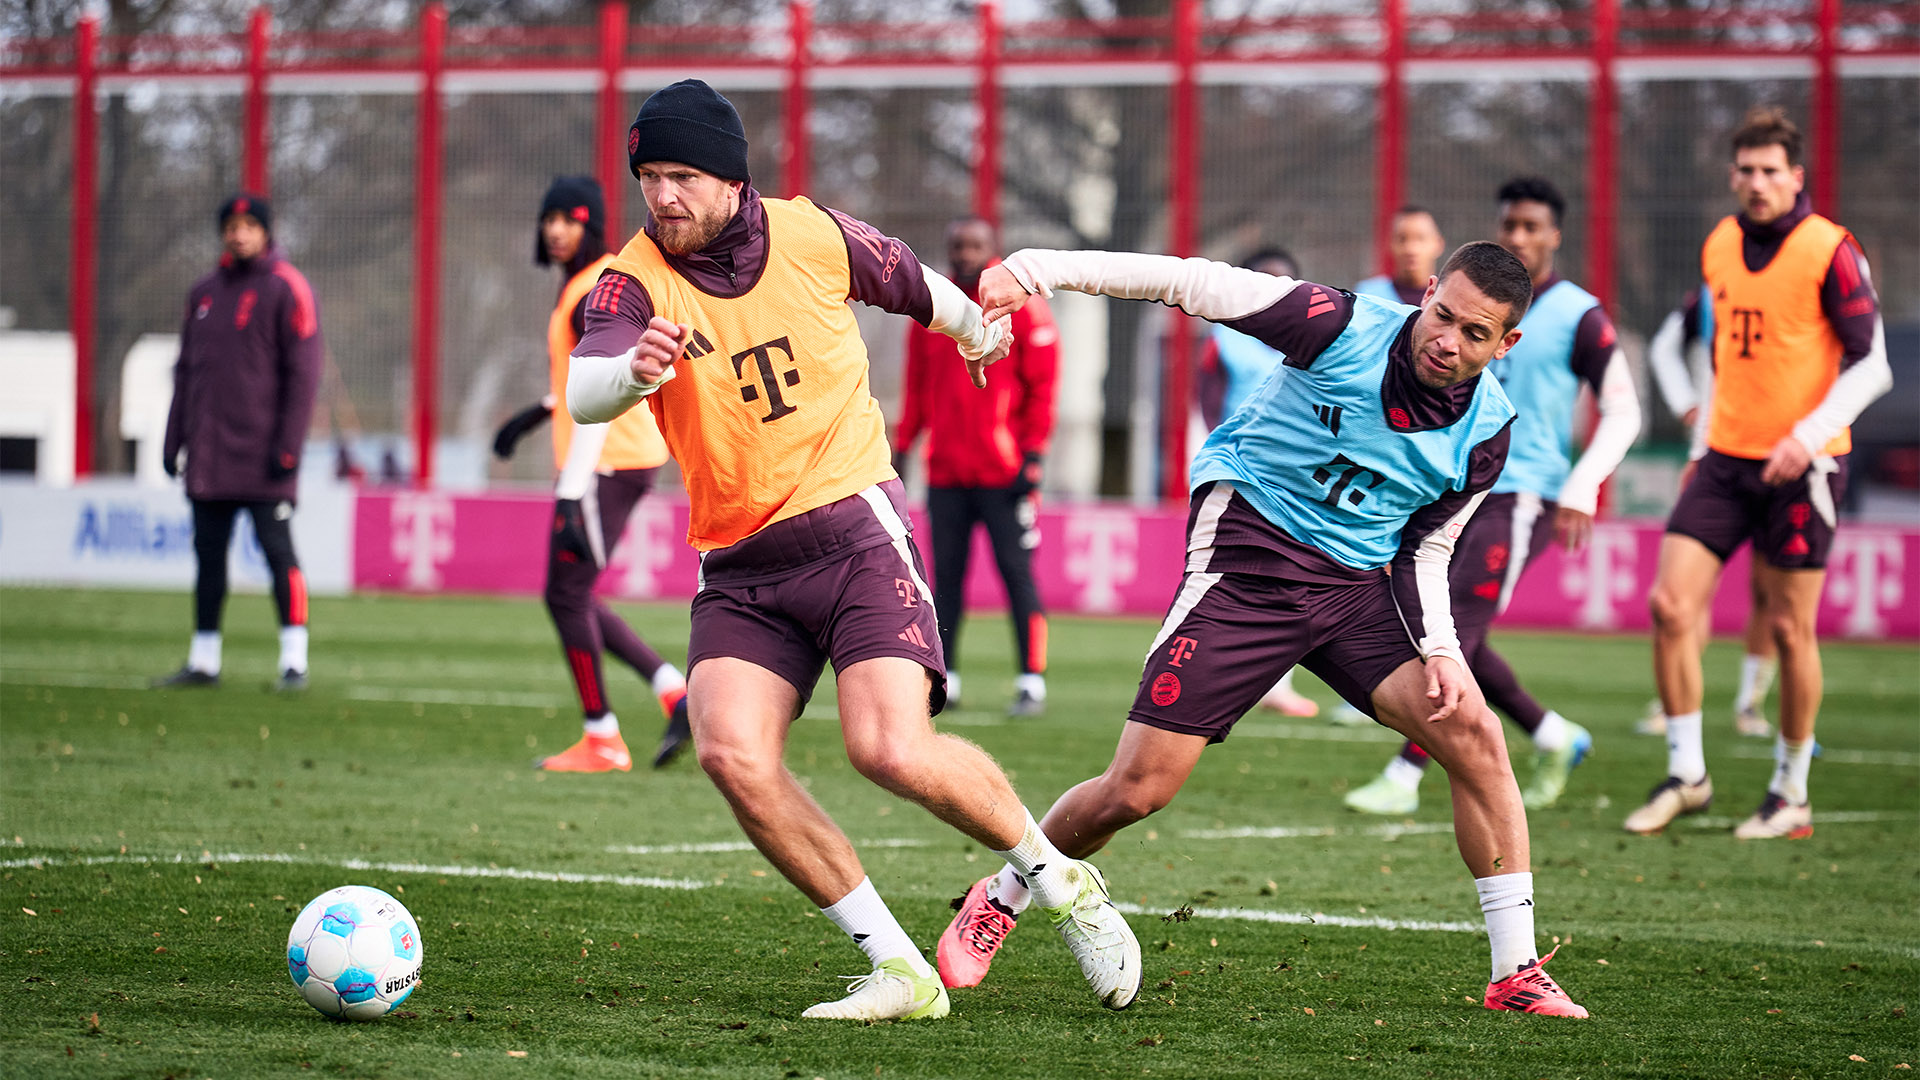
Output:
(354, 953)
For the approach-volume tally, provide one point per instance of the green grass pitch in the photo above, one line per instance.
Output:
(157, 846)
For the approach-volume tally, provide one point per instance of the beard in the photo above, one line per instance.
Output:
(684, 236)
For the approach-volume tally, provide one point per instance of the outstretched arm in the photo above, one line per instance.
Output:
(1598, 360)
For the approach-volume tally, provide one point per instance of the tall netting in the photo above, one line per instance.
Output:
(36, 212)
(1292, 166)
(1879, 146)
(501, 151)
(1673, 156)
(167, 160)
(343, 183)
(1465, 139)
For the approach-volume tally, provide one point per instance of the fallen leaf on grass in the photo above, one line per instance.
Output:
(1179, 914)
(1602, 962)
(1855, 1057)
(1308, 1010)
(516, 1053)
(1151, 1040)
(29, 911)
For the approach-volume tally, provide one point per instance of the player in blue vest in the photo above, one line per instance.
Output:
(1680, 355)
(1566, 339)
(1371, 447)
(1232, 367)
(1414, 247)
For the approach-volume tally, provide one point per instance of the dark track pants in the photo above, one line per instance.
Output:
(213, 534)
(586, 624)
(954, 512)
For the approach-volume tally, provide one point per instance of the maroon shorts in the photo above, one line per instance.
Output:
(854, 604)
(1505, 535)
(1229, 636)
(1727, 504)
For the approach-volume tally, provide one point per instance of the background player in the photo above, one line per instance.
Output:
(606, 469)
(1671, 357)
(1798, 352)
(1414, 246)
(243, 391)
(1232, 366)
(1374, 449)
(984, 457)
(729, 315)
(1566, 339)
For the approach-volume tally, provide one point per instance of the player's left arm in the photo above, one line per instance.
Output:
(884, 272)
(1853, 310)
(1598, 359)
(1419, 580)
(302, 358)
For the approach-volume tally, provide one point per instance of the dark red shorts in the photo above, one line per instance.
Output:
(1502, 538)
(870, 602)
(1727, 505)
(1228, 636)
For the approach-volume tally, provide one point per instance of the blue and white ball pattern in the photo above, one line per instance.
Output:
(354, 953)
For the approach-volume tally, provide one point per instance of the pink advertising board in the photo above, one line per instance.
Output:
(1094, 558)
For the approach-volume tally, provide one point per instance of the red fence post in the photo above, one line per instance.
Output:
(986, 149)
(1184, 190)
(1603, 127)
(1826, 114)
(796, 146)
(1390, 137)
(426, 243)
(253, 170)
(80, 266)
(610, 143)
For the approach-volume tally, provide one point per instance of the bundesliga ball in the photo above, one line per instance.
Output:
(354, 953)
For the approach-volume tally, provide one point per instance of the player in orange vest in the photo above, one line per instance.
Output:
(1798, 352)
(728, 315)
(605, 470)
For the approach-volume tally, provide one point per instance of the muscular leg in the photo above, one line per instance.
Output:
(1683, 588)
(1503, 688)
(1792, 599)
(1489, 823)
(1148, 768)
(740, 714)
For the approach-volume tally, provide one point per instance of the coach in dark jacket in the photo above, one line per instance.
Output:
(243, 391)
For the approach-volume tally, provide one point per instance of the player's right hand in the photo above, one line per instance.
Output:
(660, 347)
(1001, 294)
(1446, 687)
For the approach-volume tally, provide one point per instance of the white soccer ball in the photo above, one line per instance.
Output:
(354, 953)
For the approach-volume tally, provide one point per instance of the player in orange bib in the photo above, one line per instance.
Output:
(605, 470)
(1798, 352)
(729, 316)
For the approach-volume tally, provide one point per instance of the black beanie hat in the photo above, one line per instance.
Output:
(689, 122)
(246, 202)
(579, 198)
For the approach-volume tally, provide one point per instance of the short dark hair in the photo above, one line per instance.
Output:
(1271, 253)
(1410, 209)
(1535, 189)
(1767, 125)
(1497, 272)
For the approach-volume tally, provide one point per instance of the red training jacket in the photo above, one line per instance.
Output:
(977, 438)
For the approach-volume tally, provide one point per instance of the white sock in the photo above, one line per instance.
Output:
(204, 654)
(1042, 867)
(667, 680)
(1404, 772)
(293, 649)
(1035, 685)
(867, 920)
(1686, 756)
(1791, 762)
(1285, 685)
(1507, 903)
(1009, 891)
(1756, 678)
(603, 726)
(1553, 734)
(953, 686)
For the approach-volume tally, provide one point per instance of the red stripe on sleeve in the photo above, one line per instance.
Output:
(306, 316)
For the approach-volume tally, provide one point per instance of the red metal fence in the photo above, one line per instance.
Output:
(1185, 68)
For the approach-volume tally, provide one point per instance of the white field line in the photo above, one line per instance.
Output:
(420, 695)
(725, 846)
(1423, 828)
(1316, 918)
(18, 677)
(1829, 756)
(1373, 733)
(509, 872)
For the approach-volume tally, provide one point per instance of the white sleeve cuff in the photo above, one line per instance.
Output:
(959, 318)
(583, 457)
(1856, 388)
(1202, 287)
(600, 388)
(1612, 437)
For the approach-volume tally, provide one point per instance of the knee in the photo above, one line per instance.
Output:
(1672, 612)
(1137, 795)
(1790, 629)
(893, 764)
(738, 771)
(1472, 744)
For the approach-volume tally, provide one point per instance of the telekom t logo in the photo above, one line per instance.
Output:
(1602, 576)
(422, 537)
(1101, 548)
(645, 551)
(1866, 574)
